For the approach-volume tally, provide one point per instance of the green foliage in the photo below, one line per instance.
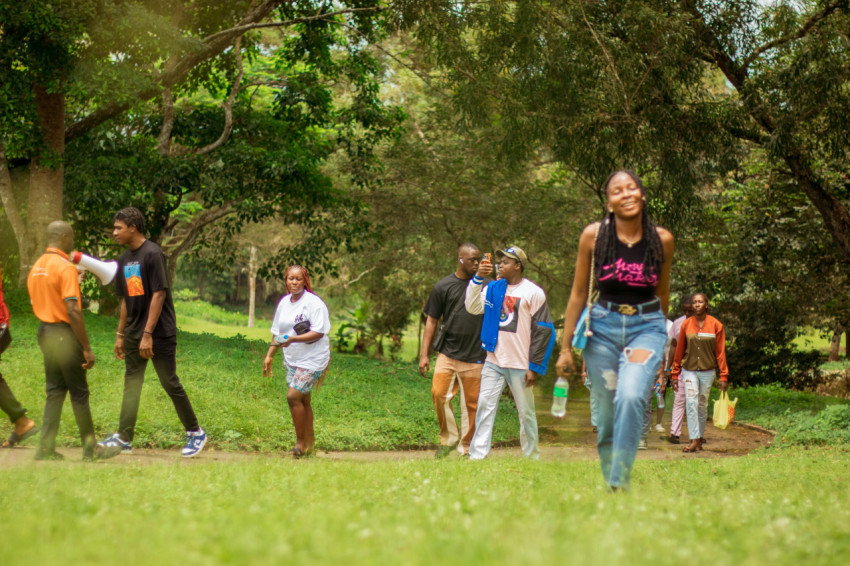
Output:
(828, 427)
(768, 272)
(443, 184)
(353, 334)
(799, 418)
(780, 509)
(697, 97)
(309, 89)
(38, 46)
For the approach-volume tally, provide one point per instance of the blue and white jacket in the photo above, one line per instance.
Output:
(490, 301)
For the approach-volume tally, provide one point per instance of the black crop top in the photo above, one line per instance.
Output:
(623, 281)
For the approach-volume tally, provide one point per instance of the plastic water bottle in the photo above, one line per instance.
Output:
(659, 396)
(281, 340)
(559, 399)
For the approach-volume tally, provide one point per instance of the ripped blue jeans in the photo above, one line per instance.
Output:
(621, 387)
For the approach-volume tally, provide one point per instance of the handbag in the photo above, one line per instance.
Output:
(5, 337)
(440, 337)
(583, 330)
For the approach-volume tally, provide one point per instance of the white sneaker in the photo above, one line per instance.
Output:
(195, 442)
(115, 441)
(659, 428)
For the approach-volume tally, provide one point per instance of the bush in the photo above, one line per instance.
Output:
(754, 362)
(798, 417)
(827, 427)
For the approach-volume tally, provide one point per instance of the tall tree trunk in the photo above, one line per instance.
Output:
(847, 340)
(835, 344)
(252, 285)
(46, 178)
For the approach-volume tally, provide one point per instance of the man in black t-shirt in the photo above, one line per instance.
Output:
(460, 356)
(147, 329)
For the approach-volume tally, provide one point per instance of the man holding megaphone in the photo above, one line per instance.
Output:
(147, 330)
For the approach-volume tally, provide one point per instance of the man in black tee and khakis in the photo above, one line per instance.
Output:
(460, 356)
(147, 330)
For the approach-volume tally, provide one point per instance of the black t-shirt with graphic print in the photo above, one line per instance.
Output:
(141, 273)
(463, 336)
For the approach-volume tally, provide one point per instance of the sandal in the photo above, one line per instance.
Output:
(15, 439)
(690, 448)
(671, 438)
(297, 453)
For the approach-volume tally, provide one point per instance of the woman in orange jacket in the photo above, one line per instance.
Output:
(700, 351)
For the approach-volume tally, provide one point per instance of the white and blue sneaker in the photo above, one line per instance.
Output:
(115, 441)
(194, 443)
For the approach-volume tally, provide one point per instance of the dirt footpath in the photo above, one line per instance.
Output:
(570, 438)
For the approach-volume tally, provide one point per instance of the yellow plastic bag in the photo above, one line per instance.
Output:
(724, 410)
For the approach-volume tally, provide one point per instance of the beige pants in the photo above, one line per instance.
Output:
(453, 377)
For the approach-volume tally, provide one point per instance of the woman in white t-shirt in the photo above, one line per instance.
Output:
(301, 325)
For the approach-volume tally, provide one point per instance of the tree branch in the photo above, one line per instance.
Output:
(801, 33)
(164, 138)
(608, 58)
(241, 29)
(228, 105)
(171, 77)
(178, 245)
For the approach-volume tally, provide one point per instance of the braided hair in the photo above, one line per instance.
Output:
(304, 274)
(605, 251)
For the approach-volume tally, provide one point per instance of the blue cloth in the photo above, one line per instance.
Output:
(492, 313)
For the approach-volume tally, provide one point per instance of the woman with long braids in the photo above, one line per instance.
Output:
(301, 325)
(700, 351)
(631, 258)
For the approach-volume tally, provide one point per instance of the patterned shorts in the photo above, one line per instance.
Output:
(301, 379)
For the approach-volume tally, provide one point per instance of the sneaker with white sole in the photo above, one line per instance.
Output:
(659, 428)
(194, 443)
(115, 441)
(642, 444)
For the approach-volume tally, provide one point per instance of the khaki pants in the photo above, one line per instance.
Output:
(450, 378)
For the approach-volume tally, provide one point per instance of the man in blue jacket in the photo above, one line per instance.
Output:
(518, 335)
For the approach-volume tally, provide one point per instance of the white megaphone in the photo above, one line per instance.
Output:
(105, 270)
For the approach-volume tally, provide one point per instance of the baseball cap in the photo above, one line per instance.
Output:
(514, 252)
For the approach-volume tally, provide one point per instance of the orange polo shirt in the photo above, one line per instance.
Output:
(51, 282)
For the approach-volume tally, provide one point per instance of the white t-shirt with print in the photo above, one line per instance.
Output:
(521, 302)
(308, 313)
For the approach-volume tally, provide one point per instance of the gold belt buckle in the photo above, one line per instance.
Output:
(627, 310)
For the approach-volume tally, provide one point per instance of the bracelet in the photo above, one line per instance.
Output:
(669, 370)
(148, 332)
(121, 334)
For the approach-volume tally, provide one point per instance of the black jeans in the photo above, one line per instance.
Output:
(63, 360)
(165, 363)
(8, 403)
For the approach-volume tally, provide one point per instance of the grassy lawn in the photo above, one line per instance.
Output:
(364, 404)
(785, 505)
(773, 507)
